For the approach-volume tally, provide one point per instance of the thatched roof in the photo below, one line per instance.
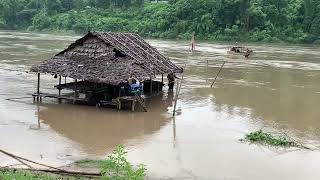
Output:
(107, 57)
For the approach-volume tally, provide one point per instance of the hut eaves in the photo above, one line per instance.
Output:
(107, 57)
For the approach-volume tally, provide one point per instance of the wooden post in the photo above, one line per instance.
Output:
(174, 131)
(133, 104)
(176, 99)
(151, 86)
(38, 115)
(119, 104)
(59, 85)
(157, 86)
(218, 74)
(38, 87)
(177, 95)
(162, 79)
(75, 91)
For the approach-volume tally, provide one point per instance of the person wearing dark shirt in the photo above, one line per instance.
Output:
(171, 78)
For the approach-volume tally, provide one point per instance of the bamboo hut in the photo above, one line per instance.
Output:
(101, 64)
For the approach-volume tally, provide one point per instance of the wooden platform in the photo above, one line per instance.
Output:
(115, 102)
(39, 97)
(133, 100)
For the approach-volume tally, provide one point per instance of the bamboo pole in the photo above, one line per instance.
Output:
(177, 96)
(38, 86)
(59, 172)
(218, 74)
(15, 157)
(178, 90)
(162, 79)
(27, 160)
(51, 168)
(175, 100)
(38, 116)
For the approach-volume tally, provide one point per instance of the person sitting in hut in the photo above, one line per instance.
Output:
(171, 78)
(131, 80)
(134, 85)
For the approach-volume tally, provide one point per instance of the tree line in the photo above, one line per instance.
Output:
(296, 21)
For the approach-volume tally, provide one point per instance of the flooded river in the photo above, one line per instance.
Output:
(278, 89)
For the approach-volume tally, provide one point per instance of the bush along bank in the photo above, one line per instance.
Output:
(296, 21)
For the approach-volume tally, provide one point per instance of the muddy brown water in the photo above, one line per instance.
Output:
(277, 89)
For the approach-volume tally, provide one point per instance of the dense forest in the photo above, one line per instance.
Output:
(296, 21)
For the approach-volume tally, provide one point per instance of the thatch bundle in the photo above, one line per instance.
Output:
(108, 58)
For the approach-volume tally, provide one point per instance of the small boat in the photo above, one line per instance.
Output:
(246, 52)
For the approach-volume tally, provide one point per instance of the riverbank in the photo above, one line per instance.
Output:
(115, 166)
(209, 20)
(90, 167)
(30, 175)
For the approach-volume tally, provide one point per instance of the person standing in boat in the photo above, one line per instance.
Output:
(171, 78)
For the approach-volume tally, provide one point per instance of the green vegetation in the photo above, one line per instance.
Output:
(269, 139)
(116, 167)
(28, 175)
(89, 163)
(296, 21)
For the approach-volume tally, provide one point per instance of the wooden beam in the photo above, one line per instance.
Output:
(218, 74)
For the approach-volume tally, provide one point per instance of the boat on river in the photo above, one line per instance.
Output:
(240, 50)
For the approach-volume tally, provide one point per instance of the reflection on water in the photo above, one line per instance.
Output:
(100, 130)
(277, 88)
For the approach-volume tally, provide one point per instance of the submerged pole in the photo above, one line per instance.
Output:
(176, 99)
(177, 95)
(218, 74)
(38, 87)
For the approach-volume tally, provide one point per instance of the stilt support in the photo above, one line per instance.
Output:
(151, 86)
(38, 88)
(75, 91)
